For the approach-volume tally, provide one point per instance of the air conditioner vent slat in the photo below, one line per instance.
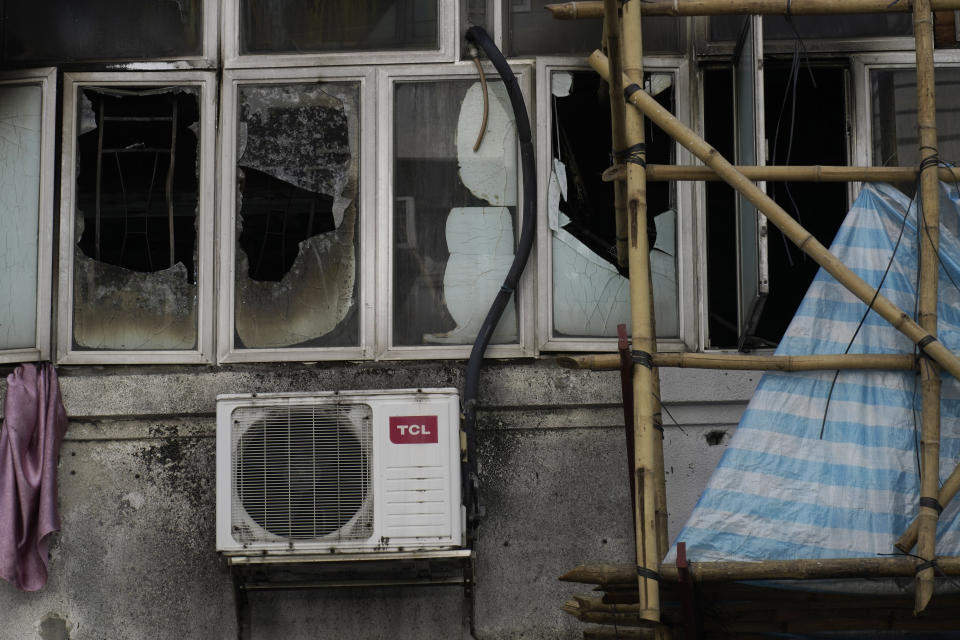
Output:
(302, 472)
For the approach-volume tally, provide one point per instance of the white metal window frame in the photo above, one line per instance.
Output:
(387, 78)
(686, 259)
(448, 21)
(206, 84)
(232, 80)
(862, 66)
(46, 79)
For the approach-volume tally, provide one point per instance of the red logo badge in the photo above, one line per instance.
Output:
(413, 429)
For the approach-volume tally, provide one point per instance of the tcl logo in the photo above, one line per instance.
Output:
(413, 429)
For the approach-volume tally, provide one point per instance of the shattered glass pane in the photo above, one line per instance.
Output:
(590, 292)
(137, 198)
(20, 107)
(894, 105)
(532, 30)
(307, 26)
(66, 30)
(454, 213)
(296, 271)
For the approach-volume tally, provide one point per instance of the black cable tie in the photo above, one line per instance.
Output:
(924, 343)
(642, 358)
(631, 89)
(650, 574)
(923, 566)
(635, 154)
(932, 503)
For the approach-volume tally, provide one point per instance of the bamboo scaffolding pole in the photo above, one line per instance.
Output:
(737, 362)
(949, 489)
(929, 281)
(814, 173)
(648, 468)
(790, 227)
(587, 10)
(611, 37)
(824, 569)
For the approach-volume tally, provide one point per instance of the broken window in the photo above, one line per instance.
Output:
(296, 267)
(138, 249)
(532, 30)
(302, 26)
(454, 211)
(590, 293)
(25, 161)
(66, 30)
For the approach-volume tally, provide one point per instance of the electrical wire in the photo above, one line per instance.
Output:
(486, 97)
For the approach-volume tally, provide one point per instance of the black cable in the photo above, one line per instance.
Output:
(876, 293)
(479, 37)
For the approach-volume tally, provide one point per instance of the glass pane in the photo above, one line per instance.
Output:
(307, 26)
(894, 96)
(135, 260)
(590, 293)
(727, 28)
(532, 30)
(20, 107)
(63, 30)
(298, 179)
(454, 213)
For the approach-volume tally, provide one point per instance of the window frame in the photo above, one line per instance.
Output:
(686, 232)
(206, 83)
(387, 78)
(46, 78)
(232, 80)
(448, 34)
(861, 67)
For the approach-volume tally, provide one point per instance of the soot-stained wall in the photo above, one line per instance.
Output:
(136, 555)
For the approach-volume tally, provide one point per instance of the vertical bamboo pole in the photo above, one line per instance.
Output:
(644, 334)
(929, 276)
(611, 35)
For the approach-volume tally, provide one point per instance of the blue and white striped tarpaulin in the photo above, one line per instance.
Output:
(792, 484)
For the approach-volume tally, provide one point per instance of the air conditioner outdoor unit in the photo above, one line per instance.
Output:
(356, 472)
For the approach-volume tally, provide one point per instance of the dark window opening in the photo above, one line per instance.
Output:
(137, 187)
(721, 206)
(277, 217)
(818, 136)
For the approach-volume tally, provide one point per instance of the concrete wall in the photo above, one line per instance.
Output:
(135, 558)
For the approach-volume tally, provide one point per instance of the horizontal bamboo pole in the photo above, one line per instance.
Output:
(825, 569)
(792, 229)
(594, 9)
(813, 173)
(737, 362)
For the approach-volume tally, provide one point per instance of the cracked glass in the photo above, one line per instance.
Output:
(454, 211)
(590, 291)
(20, 109)
(296, 280)
(135, 259)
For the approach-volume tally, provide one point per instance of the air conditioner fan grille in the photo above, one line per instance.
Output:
(302, 472)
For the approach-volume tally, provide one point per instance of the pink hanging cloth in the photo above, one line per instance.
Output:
(34, 423)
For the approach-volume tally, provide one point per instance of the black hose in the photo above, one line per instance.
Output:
(479, 37)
